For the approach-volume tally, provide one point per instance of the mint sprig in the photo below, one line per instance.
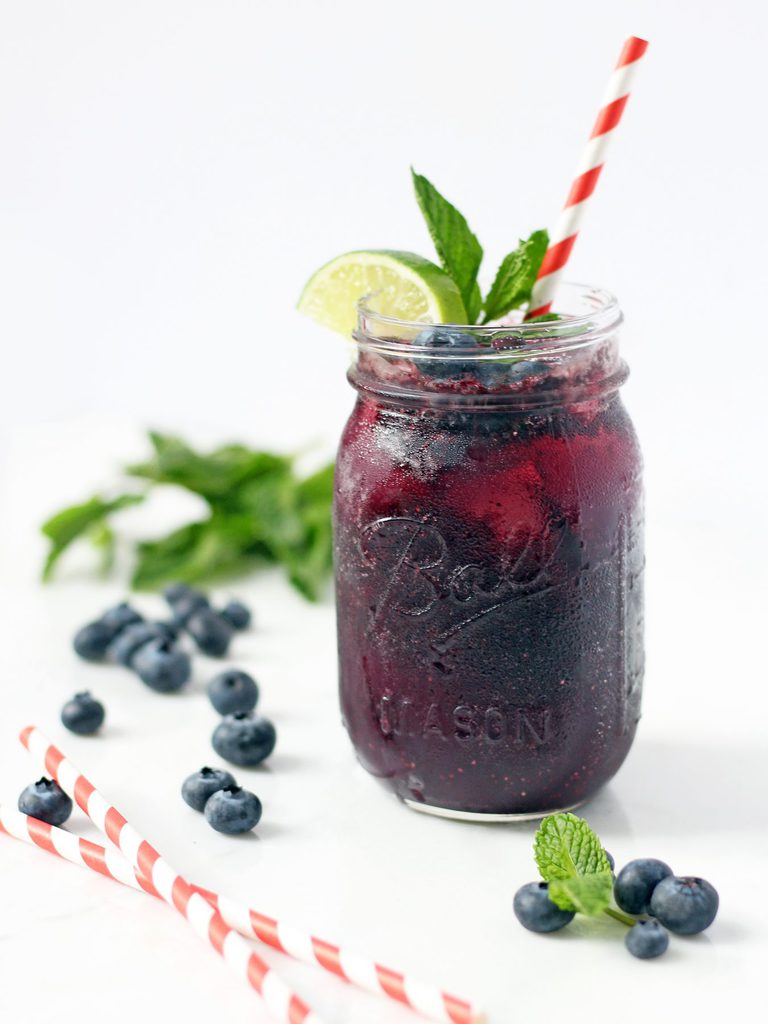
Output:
(572, 860)
(260, 512)
(461, 256)
(458, 248)
(515, 277)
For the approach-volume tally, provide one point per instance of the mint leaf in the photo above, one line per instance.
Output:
(459, 250)
(587, 894)
(80, 521)
(515, 277)
(566, 847)
(214, 476)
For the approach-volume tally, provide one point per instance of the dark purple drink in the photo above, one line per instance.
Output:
(489, 563)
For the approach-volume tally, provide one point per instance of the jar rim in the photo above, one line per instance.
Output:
(601, 315)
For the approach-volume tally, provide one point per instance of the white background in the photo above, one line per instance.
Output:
(170, 174)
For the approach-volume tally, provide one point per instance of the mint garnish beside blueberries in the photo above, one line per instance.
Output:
(578, 878)
(461, 255)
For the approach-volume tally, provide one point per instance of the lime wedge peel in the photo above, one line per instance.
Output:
(402, 284)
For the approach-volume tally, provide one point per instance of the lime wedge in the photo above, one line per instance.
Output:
(401, 284)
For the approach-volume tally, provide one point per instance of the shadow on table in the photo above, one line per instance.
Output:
(685, 789)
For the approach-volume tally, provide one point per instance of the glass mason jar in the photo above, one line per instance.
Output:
(489, 560)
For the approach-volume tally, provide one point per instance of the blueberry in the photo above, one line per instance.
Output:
(611, 861)
(635, 883)
(244, 739)
(232, 691)
(120, 616)
(162, 666)
(685, 905)
(83, 714)
(176, 591)
(233, 810)
(134, 637)
(47, 801)
(210, 632)
(236, 614)
(91, 642)
(536, 911)
(646, 939)
(444, 338)
(198, 788)
(187, 606)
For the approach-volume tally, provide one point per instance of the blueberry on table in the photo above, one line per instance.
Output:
(134, 637)
(244, 739)
(197, 789)
(536, 911)
(187, 606)
(120, 616)
(635, 883)
(685, 905)
(83, 714)
(210, 632)
(175, 592)
(91, 642)
(646, 939)
(233, 691)
(233, 810)
(162, 666)
(236, 614)
(46, 801)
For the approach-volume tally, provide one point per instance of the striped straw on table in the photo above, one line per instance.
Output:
(204, 919)
(344, 963)
(587, 174)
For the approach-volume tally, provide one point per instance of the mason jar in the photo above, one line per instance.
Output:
(489, 560)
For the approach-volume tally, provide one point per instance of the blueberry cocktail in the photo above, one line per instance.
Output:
(488, 527)
(489, 561)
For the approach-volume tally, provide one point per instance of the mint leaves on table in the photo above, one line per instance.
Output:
(260, 512)
(461, 255)
(572, 860)
(89, 520)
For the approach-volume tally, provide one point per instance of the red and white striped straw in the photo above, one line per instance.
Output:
(587, 174)
(170, 886)
(359, 970)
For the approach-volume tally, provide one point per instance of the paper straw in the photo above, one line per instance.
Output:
(587, 174)
(338, 960)
(170, 886)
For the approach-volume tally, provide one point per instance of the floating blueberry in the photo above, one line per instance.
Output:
(197, 789)
(210, 632)
(443, 338)
(83, 714)
(187, 606)
(685, 905)
(91, 642)
(635, 883)
(233, 810)
(47, 801)
(646, 939)
(120, 616)
(162, 666)
(244, 739)
(233, 691)
(536, 911)
(134, 637)
(236, 614)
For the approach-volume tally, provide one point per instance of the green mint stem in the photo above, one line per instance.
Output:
(619, 915)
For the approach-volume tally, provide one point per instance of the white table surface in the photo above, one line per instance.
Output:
(337, 854)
